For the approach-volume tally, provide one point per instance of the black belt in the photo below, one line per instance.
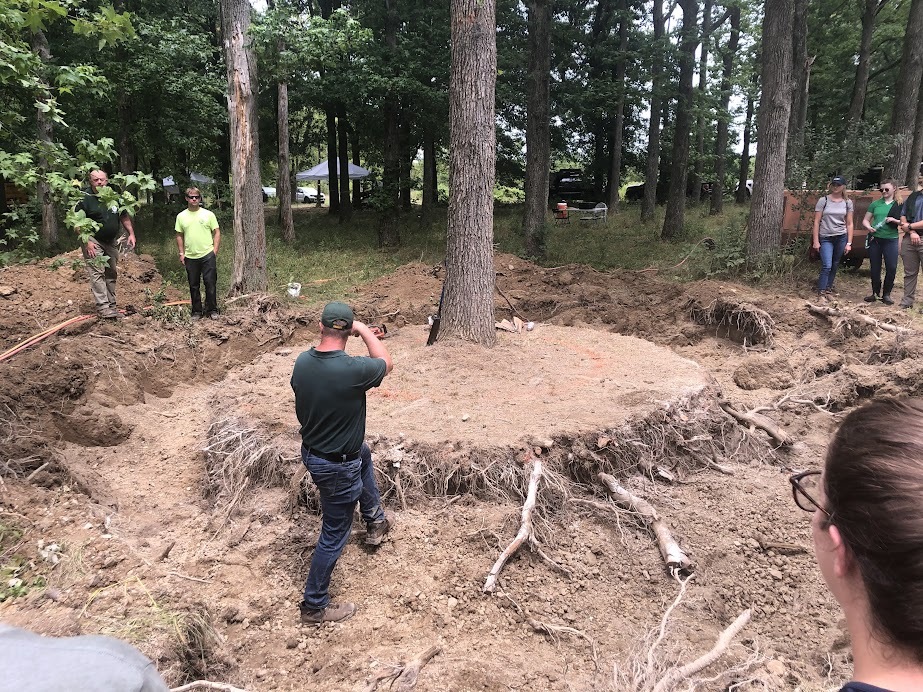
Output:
(335, 458)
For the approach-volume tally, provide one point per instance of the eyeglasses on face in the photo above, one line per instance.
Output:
(805, 486)
(193, 196)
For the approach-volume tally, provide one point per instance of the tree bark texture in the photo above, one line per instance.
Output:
(870, 11)
(538, 127)
(699, 159)
(333, 176)
(674, 217)
(468, 307)
(44, 131)
(284, 180)
(618, 125)
(430, 190)
(598, 122)
(652, 162)
(249, 226)
(721, 135)
(904, 113)
(801, 69)
(357, 160)
(767, 204)
(741, 195)
(916, 151)
(346, 205)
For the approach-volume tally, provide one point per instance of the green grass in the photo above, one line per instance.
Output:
(340, 256)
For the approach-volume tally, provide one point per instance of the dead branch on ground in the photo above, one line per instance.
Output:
(677, 561)
(846, 322)
(404, 677)
(525, 529)
(207, 685)
(753, 419)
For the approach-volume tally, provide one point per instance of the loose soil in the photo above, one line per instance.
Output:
(150, 483)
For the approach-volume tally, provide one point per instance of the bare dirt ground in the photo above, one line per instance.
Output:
(150, 485)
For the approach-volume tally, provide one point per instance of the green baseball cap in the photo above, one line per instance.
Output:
(337, 316)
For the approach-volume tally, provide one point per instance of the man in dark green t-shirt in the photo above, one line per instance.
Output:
(330, 389)
(104, 242)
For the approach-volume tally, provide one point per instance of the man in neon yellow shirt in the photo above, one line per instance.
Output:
(198, 238)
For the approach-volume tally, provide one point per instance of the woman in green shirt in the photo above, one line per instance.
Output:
(881, 222)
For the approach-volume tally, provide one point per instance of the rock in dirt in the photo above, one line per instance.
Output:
(7, 291)
(764, 373)
(90, 427)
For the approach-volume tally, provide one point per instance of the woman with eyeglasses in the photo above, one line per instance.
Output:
(868, 539)
(881, 222)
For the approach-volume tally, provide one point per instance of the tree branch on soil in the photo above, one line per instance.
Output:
(525, 529)
(856, 323)
(677, 561)
(753, 419)
(207, 685)
(404, 677)
(554, 630)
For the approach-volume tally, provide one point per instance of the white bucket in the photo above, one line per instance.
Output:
(294, 289)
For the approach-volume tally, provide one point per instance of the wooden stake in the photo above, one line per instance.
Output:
(525, 528)
(673, 555)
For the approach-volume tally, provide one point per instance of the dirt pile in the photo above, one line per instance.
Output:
(104, 435)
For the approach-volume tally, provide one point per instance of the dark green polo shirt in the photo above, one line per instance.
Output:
(110, 220)
(330, 389)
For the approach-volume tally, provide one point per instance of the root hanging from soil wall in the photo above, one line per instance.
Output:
(753, 325)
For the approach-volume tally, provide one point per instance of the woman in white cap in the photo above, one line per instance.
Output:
(833, 230)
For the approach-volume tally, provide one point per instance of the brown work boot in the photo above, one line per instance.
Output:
(109, 313)
(335, 612)
(377, 530)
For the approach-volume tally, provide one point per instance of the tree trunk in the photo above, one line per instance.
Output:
(346, 205)
(430, 191)
(356, 184)
(284, 180)
(721, 136)
(699, 159)
(801, 69)
(741, 195)
(652, 163)
(44, 131)
(128, 159)
(249, 226)
(674, 218)
(468, 306)
(405, 160)
(538, 127)
(388, 233)
(767, 205)
(333, 179)
(618, 126)
(916, 151)
(870, 11)
(904, 114)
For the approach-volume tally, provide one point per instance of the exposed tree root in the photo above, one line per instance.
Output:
(554, 630)
(676, 560)
(207, 685)
(525, 530)
(754, 419)
(404, 677)
(756, 325)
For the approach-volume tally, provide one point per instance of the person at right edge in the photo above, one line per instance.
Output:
(911, 244)
(881, 221)
(330, 403)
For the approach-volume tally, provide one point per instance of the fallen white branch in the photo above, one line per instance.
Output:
(525, 528)
(753, 419)
(672, 554)
(858, 317)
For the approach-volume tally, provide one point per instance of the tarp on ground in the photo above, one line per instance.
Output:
(169, 184)
(321, 172)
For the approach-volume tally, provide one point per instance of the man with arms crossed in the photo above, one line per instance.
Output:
(330, 389)
(104, 242)
(198, 238)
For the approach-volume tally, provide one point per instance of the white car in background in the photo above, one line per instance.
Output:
(268, 192)
(307, 194)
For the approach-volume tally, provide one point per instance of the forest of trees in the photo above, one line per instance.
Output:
(627, 90)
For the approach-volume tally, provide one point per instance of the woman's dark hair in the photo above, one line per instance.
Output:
(873, 483)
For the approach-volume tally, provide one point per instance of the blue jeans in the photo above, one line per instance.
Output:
(831, 252)
(887, 249)
(341, 485)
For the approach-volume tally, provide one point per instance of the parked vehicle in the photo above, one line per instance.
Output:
(569, 185)
(268, 192)
(308, 194)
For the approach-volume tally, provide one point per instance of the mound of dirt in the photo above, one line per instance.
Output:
(116, 528)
